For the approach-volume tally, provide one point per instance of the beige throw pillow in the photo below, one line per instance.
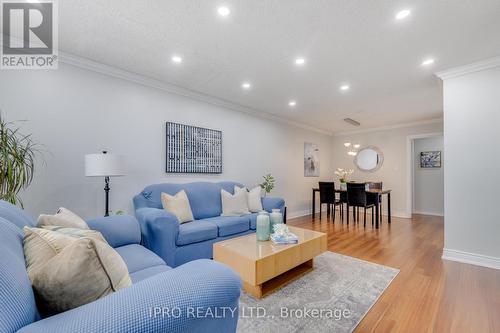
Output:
(63, 218)
(43, 244)
(234, 204)
(253, 198)
(68, 269)
(178, 205)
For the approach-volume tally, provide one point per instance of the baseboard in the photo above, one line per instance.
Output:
(471, 258)
(293, 215)
(302, 213)
(428, 213)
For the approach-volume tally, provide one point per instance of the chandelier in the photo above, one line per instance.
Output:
(352, 148)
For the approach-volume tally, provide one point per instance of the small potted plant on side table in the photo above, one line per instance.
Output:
(268, 184)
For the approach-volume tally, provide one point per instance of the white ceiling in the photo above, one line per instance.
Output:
(344, 41)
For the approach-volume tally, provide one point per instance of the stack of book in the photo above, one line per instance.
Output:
(284, 239)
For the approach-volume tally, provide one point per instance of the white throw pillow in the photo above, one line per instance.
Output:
(234, 204)
(63, 218)
(254, 201)
(178, 205)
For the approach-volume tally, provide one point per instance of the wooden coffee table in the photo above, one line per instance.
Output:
(265, 266)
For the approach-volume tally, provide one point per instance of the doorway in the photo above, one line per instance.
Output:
(426, 174)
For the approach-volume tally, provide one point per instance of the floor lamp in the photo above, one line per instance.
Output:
(104, 165)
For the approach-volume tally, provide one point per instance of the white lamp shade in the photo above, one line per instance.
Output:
(104, 165)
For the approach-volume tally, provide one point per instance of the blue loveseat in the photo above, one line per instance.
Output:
(180, 243)
(142, 307)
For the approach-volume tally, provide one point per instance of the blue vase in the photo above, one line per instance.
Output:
(275, 218)
(263, 226)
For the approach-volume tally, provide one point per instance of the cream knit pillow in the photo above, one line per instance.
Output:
(178, 205)
(234, 204)
(254, 200)
(67, 271)
(40, 245)
(63, 218)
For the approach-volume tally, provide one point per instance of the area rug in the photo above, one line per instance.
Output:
(334, 297)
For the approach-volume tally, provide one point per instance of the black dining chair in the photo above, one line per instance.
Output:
(327, 196)
(342, 200)
(356, 198)
(376, 186)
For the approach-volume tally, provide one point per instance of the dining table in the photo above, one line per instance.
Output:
(378, 193)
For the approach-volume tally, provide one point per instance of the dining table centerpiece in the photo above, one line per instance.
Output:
(343, 175)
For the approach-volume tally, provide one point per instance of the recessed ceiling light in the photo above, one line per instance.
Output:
(428, 62)
(403, 14)
(292, 103)
(176, 59)
(344, 87)
(246, 85)
(223, 11)
(300, 61)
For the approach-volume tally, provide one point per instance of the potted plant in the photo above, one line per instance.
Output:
(343, 175)
(268, 184)
(17, 162)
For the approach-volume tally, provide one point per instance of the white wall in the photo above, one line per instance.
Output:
(72, 112)
(428, 184)
(394, 171)
(472, 170)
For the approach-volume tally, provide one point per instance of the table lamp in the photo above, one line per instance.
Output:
(104, 165)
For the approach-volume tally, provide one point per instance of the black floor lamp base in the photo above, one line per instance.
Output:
(106, 191)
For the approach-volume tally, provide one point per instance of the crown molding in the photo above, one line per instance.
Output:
(468, 69)
(389, 127)
(115, 72)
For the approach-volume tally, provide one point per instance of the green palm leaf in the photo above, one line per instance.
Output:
(17, 161)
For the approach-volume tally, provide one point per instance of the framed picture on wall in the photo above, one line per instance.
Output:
(311, 160)
(430, 159)
(192, 149)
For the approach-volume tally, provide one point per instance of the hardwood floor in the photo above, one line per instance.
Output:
(429, 294)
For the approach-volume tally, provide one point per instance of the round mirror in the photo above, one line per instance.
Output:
(369, 159)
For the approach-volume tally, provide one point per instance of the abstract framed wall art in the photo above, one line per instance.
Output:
(311, 160)
(430, 159)
(191, 149)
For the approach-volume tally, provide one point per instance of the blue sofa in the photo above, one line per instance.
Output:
(180, 243)
(203, 284)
